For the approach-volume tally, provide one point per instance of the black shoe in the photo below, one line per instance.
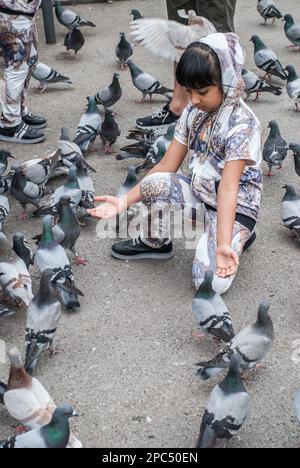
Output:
(158, 121)
(35, 121)
(21, 134)
(135, 249)
(250, 241)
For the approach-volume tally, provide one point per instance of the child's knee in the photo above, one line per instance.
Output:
(154, 187)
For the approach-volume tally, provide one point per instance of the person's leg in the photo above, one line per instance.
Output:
(32, 61)
(219, 12)
(205, 257)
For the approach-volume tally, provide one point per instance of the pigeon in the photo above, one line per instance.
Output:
(290, 210)
(292, 31)
(74, 40)
(47, 76)
(295, 147)
(293, 87)
(266, 59)
(252, 344)
(227, 410)
(254, 84)
(211, 311)
(69, 151)
(85, 183)
(14, 275)
(89, 126)
(4, 156)
(110, 95)
(4, 210)
(136, 14)
(144, 141)
(297, 405)
(124, 50)
(147, 84)
(52, 255)
(110, 131)
(158, 149)
(25, 192)
(22, 249)
(268, 10)
(39, 170)
(4, 312)
(70, 19)
(70, 188)
(55, 434)
(43, 315)
(26, 399)
(130, 182)
(275, 149)
(5, 184)
(169, 39)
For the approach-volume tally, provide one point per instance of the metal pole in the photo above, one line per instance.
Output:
(49, 22)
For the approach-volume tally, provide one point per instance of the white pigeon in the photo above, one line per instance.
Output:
(169, 39)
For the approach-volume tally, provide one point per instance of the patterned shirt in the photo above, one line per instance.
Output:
(21, 6)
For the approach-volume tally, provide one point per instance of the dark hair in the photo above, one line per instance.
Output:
(199, 67)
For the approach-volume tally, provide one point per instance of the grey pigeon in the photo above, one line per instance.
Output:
(275, 149)
(26, 399)
(110, 131)
(69, 152)
(52, 255)
(47, 76)
(266, 59)
(158, 149)
(297, 405)
(25, 192)
(268, 10)
(22, 249)
(74, 40)
(124, 50)
(211, 311)
(39, 170)
(43, 315)
(293, 87)
(292, 31)
(70, 188)
(110, 95)
(227, 410)
(5, 184)
(85, 183)
(252, 344)
(144, 139)
(14, 275)
(295, 147)
(130, 182)
(54, 435)
(89, 126)
(136, 14)
(290, 210)
(4, 156)
(70, 19)
(254, 84)
(4, 210)
(147, 84)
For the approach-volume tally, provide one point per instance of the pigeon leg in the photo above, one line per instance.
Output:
(53, 350)
(270, 173)
(142, 101)
(200, 337)
(279, 167)
(22, 429)
(23, 216)
(257, 97)
(79, 260)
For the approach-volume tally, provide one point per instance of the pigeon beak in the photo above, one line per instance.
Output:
(75, 414)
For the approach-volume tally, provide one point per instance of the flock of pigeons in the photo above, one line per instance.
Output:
(64, 212)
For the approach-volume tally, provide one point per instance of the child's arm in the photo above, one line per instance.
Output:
(226, 258)
(112, 206)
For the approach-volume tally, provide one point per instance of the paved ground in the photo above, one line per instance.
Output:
(128, 365)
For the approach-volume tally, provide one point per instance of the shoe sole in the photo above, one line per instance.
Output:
(155, 128)
(149, 256)
(22, 141)
(38, 127)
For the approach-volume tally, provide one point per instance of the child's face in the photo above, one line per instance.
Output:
(206, 99)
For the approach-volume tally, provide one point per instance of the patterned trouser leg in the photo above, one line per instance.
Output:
(159, 192)
(18, 43)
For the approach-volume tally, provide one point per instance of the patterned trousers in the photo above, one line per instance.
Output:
(160, 192)
(19, 47)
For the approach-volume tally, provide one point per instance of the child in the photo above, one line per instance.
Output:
(223, 137)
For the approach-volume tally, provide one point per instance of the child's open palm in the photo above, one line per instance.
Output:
(227, 261)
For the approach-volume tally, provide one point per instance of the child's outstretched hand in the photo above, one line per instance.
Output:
(227, 261)
(111, 207)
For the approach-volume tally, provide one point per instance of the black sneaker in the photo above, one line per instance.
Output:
(21, 134)
(135, 249)
(158, 121)
(35, 121)
(250, 241)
